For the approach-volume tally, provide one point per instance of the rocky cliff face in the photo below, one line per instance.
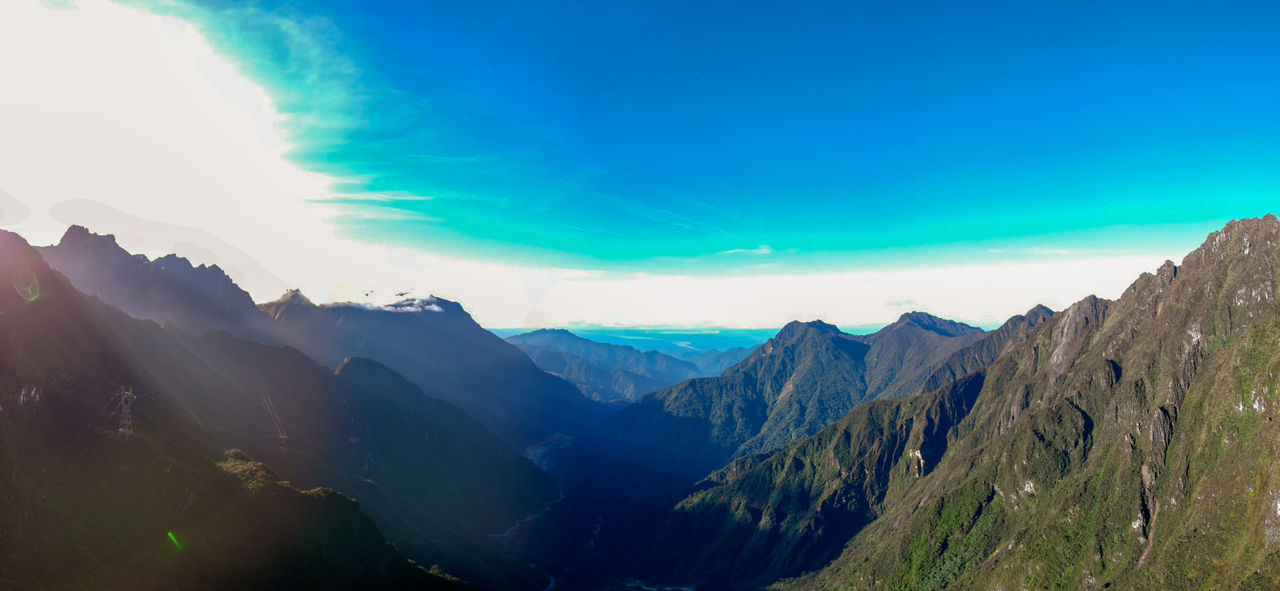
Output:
(1127, 444)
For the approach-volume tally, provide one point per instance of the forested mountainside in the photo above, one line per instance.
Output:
(1116, 444)
(803, 379)
(1126, 444)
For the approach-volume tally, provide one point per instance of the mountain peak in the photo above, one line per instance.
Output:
(1238, 239)
(931, 323)
(795, 328)
(173, 259)
(294, 297)
(76, 232)
(1038, 311)
(562, 332)
(78, 236)
(412, 305)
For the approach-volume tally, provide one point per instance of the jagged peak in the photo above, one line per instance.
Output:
(1267, 222)
(77, 232)
(173, 259)
(1031, 318)
(77, 235)
(1238, 239)
(1073, 327)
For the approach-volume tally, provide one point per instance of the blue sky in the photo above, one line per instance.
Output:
(664, 136)
(675, 164)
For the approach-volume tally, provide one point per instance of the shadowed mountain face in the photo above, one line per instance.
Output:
(1122, 445)
(803, 379)
(433, 342)
(773, 515)
(105, 489)
(608, 373)
(648, 455)
(436, 481)
(168, 289)
(437, 345)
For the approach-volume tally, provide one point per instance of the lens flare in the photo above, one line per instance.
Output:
(174, 539)
(28, 286)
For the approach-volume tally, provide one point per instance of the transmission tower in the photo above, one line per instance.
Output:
(126, 410)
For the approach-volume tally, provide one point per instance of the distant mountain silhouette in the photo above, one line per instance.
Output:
(168, 289)
(714, 362)
(608, 373)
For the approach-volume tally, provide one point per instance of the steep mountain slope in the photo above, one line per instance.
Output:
(437, 345)
(771, 515)
(648, 455)
(608, 373)
(803, 379)
(433, 478)
(987, 349)
(109, 490)
(445, 353)
(1123, 445)
(1130, 445)
(168, 289)
(813, 377)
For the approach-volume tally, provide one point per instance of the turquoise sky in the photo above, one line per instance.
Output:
(714, 136)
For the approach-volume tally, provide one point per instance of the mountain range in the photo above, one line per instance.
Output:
(616, 373)
(162, 430)
(803, 379)
(432, 341)
(436, 481)
(1123, 444)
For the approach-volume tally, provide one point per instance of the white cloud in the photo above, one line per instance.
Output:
(130, 123)
(763, 249)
